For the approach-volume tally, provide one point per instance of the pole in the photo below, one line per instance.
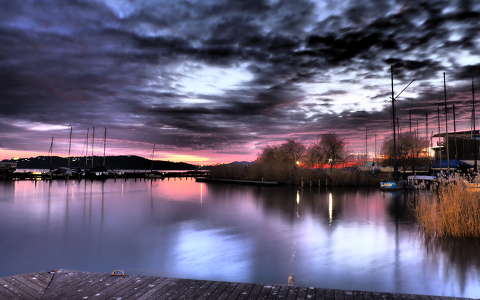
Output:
(399, 129)
(375, 152)
(86, 149)
(426, 135)
(475, 145)
(438, 123)
(416, 131)
(153, 157)
(395, 165)
(93, 143)
(455, 131)
(70, 146)
(104, 147)
(50, 151)
(366, 145)
(446, 119)
(410, 120)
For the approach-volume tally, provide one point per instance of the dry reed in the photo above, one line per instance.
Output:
(455, 213)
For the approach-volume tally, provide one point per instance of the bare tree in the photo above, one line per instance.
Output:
(333, 148)
(314, 155)
(291, 152)
(409, 149)
(286, 154)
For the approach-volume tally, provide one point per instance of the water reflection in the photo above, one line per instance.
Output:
(350, 239)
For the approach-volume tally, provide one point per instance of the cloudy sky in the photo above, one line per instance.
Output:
(213, 81)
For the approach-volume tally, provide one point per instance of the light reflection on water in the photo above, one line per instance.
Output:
(364, 240)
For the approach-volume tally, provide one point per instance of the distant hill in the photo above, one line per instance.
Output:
(233, 164)
(125, 162)
(242, 163)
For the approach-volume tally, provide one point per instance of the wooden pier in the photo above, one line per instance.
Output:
(81, 285)
(222, 180)
(111, 175)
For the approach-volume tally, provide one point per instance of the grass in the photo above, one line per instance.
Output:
(455, 213)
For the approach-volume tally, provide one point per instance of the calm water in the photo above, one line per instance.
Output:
(365, 240)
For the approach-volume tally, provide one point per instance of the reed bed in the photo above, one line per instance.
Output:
(454, 213)
(297, 176)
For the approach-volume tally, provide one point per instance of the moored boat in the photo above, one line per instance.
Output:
(391, 185)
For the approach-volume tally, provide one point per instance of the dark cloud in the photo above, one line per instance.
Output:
(123, 65)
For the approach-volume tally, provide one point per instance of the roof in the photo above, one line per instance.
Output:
(465, 133)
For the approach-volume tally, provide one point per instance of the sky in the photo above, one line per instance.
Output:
(211, 81)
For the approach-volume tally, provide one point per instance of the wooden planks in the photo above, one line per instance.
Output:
(82, 285)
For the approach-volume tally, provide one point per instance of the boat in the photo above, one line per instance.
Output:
(421, 181)
(155, 174)
(391, 185)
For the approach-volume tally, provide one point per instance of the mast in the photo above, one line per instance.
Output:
(455, 131)
(69, 146)
(410, 120)
(438, 123)
(426, 134)
(153, 157)
(104, 147)
(416, 131)
(93, 143)
(375, 151)
(86, 149)
(446, 119)
(395, 166)
(50, 152)
(475, 150)
(366, 145)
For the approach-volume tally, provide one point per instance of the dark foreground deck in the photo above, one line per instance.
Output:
(80, 285)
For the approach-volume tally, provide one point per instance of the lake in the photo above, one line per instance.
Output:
(345, 239)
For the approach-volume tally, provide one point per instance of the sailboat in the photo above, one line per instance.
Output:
(98, 172)
(395, 184)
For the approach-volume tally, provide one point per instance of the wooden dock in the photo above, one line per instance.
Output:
(64, 284)
(238, 181)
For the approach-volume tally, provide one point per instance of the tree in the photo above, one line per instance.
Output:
(285, 155)
(314, 155)
(333, 148)
(409, 150)
(291, 152)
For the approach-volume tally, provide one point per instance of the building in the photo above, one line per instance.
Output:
(462, 146)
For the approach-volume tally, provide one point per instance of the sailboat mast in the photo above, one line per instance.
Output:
(50, 152)
(455, 131)
(426, 134)
(70, 146)
(93, 143)
(410, 120)
(395, 166)
(366, 144)
(153, 157)
(438, 123)
(446, 119)
(475, 149)
(104, 147)
(86, 148)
